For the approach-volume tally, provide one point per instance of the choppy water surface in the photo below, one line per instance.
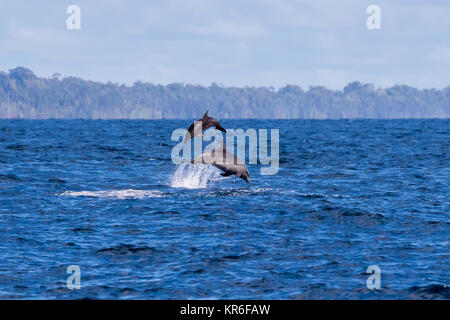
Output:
(105, 195)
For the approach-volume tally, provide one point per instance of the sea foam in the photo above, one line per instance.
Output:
(193, 176)
(117, 194)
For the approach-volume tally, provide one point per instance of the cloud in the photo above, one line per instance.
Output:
(440, 55)
(33, 37)
(229, 29)
(314, 15)
(254, 42)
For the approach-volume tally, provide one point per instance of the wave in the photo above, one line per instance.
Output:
(117, 194)
(193, 176)
(9, 177)
(432, 291)
(126, 249)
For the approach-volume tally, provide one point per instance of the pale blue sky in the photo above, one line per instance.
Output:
(232, 42)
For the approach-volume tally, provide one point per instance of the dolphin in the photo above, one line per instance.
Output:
(225, 161)
(201, 125)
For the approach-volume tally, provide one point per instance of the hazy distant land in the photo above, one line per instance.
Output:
(24, 95)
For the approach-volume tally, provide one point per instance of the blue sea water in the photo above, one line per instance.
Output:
(104, 195)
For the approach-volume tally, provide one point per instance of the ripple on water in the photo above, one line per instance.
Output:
(126, 249)
(117, 194)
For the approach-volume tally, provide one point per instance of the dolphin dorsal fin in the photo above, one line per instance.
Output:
(206, 114)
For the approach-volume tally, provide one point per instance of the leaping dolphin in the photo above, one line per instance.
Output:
(225, 161)
(201, 125)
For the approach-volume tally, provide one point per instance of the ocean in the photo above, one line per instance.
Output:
(105, 197)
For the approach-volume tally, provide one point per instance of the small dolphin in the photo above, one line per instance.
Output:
(225, 161)
(201, 125)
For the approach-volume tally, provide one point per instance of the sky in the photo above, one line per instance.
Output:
(232, 42)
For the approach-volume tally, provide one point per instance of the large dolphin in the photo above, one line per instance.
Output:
(225, 161)
(201, 125)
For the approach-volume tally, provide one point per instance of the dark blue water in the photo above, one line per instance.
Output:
(101, 195)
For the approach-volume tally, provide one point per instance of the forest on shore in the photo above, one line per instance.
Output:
(23, 95)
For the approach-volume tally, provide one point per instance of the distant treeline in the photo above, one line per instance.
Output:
(23, 95)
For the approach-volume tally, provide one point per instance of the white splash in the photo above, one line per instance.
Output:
(117, 194)
(193, 176)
